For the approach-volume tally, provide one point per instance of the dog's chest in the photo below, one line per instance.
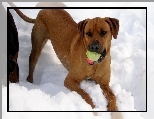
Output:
(91, 70)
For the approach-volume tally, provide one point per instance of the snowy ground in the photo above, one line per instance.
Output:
(128, 78)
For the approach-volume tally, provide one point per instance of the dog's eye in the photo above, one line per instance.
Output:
(102, 33)
(89, 34)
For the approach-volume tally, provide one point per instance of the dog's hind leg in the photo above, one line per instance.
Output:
(39, 39)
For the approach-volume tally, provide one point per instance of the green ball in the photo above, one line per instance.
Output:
(93, 55)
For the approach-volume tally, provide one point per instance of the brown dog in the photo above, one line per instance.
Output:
(70, 42)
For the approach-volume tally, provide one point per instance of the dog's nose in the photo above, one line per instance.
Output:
(95, 46)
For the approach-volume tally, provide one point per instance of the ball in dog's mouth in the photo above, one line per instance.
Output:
(93, 57)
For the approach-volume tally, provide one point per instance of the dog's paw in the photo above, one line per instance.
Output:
(29, 80)
(112, 107)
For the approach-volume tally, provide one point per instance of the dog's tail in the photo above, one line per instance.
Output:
(24, 17)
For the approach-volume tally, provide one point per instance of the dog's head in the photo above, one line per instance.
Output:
(97, 34)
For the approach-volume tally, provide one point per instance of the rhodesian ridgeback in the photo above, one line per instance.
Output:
(70, 42)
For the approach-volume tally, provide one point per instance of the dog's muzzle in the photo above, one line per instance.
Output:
(96, 47)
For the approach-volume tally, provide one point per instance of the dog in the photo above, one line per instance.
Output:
(70, 42)
(13, 49)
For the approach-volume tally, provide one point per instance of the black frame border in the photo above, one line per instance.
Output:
(77, 8)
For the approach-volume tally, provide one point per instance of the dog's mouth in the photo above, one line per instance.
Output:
(103, 54)
(100, 59)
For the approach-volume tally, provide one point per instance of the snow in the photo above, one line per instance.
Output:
(128, 73)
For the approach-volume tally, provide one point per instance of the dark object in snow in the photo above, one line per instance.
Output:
(13, 48)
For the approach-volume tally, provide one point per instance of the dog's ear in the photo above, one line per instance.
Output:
(114, 25)
(81, 26)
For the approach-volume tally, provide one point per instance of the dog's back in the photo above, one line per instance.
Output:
(61, 28)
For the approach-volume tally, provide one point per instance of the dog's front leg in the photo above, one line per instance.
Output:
(111, 102)
(110, 97)
(104, 84)
(73, 85)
